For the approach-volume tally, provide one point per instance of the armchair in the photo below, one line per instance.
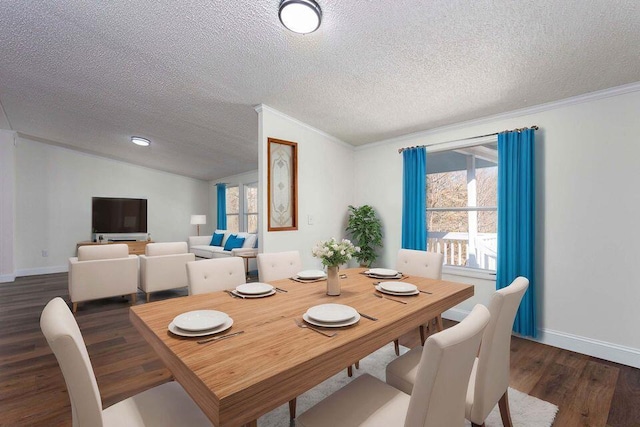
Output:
(102, 271)
(163, 266)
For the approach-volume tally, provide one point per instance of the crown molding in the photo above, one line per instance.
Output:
(574, 100)
(263, 107)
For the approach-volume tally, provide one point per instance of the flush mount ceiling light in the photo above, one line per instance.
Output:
(300, 16)
(143, 142)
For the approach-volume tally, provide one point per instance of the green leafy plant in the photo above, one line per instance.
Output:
(366, 232)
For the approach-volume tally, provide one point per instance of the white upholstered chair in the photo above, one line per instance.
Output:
(163, 266)
(165, 405)
(217, 274)
(421, 264)
(101, 271)
(278, 265)
(490, 375)
(439, 395)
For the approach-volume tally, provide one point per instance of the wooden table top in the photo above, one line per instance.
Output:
(237, 380)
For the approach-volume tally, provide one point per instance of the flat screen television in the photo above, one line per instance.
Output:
(119, 215)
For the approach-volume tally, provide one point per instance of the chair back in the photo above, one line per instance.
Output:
(63, 335)
(420, 263)
(105, 251)
(492, 372)
(439, 392)
(166, 248)
(215, 274)
(278, 265)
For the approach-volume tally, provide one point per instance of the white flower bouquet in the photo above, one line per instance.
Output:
(332, 253)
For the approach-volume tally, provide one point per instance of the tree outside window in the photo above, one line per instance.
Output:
(233, 209)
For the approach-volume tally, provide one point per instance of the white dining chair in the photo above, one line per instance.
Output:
(164, 405)
(422, 264)
(278, 265)
(489, 380)
(217, 274)
(439, 395)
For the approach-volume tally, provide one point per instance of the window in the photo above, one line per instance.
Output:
(251, 207)
(462, 213)
(233, 209)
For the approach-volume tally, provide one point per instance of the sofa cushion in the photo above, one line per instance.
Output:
(216, 240)
(105, 251)
(206, 251)
(250, 240)
(166, 248)
(234, 242)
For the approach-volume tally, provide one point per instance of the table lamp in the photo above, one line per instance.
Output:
(197, 220)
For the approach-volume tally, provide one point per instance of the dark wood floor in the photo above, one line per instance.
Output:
(589, 391)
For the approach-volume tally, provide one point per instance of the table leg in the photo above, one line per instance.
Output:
(246, 268)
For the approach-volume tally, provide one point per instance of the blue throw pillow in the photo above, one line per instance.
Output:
(216, 240)
(233, 242)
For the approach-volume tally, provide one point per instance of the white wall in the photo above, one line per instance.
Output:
(54, 187)
(7, 205)
(325, 185)
(587, 201)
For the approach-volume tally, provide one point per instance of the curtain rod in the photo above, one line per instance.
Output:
(534, 127)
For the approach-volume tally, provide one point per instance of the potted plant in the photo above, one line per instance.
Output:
(366, 232)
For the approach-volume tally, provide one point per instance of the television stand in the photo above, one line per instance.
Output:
(135, 247)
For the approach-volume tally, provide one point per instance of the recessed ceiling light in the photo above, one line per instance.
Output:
(143, 142)
(300, 16)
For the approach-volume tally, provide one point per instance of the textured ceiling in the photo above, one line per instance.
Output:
(88, 75)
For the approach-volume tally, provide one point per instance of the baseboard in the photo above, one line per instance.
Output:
(7, 278)
(42, 270)
(601, 349)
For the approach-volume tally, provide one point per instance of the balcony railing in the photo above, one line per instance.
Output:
(481, 252)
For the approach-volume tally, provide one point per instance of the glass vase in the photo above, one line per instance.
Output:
(333, 281)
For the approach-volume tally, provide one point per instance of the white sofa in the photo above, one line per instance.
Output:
(102, 271)
(163, 266)
(201, 247)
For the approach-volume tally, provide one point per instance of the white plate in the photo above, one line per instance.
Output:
(255, 288)
(175, 330)
(386, 272)
(311, 274)
(200, 320)
(325, 313)
(400, 287)
(401, 294)
(268, 294)
(348, 322)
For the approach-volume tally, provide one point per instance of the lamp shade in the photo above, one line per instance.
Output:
(198, 219)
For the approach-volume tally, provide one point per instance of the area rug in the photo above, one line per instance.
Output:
(526, 411)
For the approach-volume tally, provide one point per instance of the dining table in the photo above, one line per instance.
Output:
(236, 380)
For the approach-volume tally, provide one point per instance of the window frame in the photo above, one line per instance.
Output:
(463, 271)
(245, 211)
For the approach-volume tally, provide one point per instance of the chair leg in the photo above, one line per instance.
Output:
(350, 371)
(75, 307)
(396, 346)
(477, 425)
(423, 337)
(148, 296)
(357, 364)
(292, 408)
(133, 298)
(439, 325)
(503, 403)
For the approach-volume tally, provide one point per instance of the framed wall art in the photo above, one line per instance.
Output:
(282, 194)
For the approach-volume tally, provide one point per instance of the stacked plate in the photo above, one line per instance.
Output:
(331, 315)
(383, 273)
(311, 275)
(199, 323)
(397, 288)
(254, 290)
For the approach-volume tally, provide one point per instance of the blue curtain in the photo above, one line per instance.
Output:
(516, 221)
(414, 199)
(222, 206)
